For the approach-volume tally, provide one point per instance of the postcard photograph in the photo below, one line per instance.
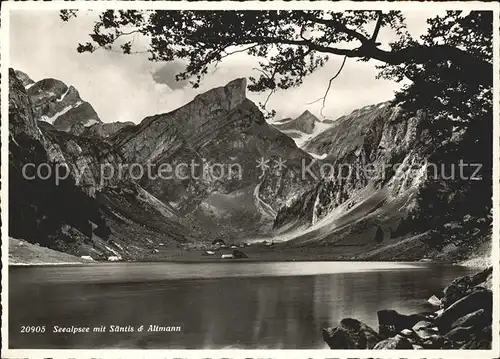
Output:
(250, 177)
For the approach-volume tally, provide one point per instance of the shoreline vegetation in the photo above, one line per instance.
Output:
(461, 319)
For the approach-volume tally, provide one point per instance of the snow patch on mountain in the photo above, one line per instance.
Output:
(90, 122)
(52, 119)
(63, 95)
(318, 157)
(319, 127)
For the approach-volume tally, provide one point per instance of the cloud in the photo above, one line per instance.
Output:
(166, 75)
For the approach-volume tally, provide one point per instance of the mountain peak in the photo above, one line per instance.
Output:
(236, 91)
(307, 115)
(55, 102)
(239, 83)
(24, 78)
(305, 123)
(231, 95)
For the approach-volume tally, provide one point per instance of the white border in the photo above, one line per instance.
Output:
(248, 5)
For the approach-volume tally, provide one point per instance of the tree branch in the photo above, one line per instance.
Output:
(419, 54)
(338, 26)
(268, 97)
(227, 54)
(328, 88)
(236, 51)
(377, 27)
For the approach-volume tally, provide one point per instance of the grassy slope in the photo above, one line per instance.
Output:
(24, 253)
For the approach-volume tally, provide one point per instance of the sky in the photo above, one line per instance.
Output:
(130, 87)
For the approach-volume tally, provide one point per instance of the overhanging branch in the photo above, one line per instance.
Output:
(377, 27)
(419, 54)
(328, 88)
(337, 25)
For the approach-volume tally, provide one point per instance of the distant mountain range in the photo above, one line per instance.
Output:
(302, 128)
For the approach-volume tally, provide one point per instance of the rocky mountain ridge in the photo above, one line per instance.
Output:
(60, 105)
(359, 149)
(57, 103)
(220, 126)
(390, 176)
(240, 177)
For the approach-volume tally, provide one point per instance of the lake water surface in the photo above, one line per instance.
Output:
(279, 305)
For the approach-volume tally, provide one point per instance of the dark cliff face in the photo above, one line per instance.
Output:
(78, 214)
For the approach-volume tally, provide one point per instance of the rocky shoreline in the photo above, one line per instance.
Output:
(462, 320)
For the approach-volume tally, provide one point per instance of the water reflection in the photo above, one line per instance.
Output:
(214, 311)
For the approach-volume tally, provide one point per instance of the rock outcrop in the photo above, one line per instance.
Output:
(396, 342)
(392, 322)
(463, 323)
(98, 129)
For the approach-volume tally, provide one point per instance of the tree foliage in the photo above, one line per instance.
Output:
(453, 60)
(452, 91)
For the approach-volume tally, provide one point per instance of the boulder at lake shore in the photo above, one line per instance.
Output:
(391, 322)
(462, 322)
(463, 286)
(480, 299)
(351, 334)
(396, 342)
